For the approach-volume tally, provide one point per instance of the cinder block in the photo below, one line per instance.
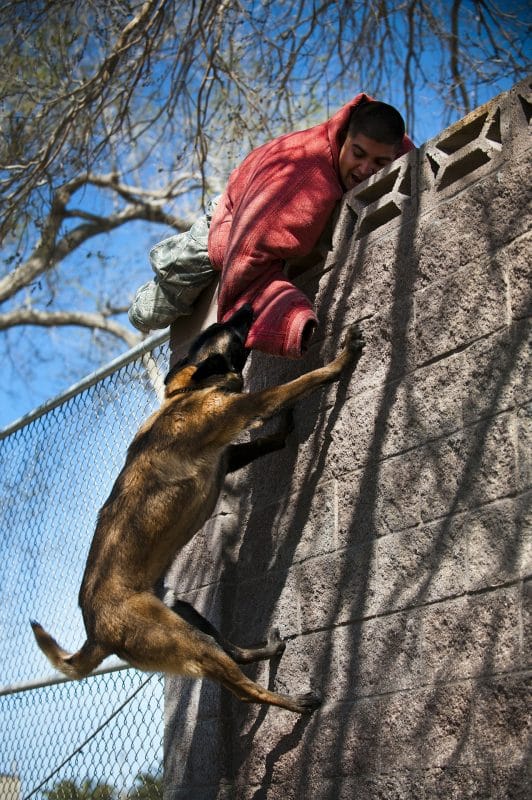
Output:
(300, 525)
(500, 721)
(217, 792)
(380, 498)
(391, 419)
(197, 740)
(522, 372)
(357, 494)
(377, 656)
(345, 739)
(420, 565)
(470, 468)
(199, 562)
(344, 440)
(500, 204)
(294, 789)
(498, 544)
(336, 588)
(524, 446)
(471, 636)
(475, 225)
(337, 740)
(258, 752)
(260, 547)
(319, 584)
(438, 243)
(308, 663)
(527, 623)
(496, 372)
(314, 521)
(389, 351)
(387, 785)
(209, 757)
(378, 271)
(269, 601)
(397, 499)
(464, 152)
(424, 406)
(516, 258)
(520, 101)
(457, 724)
(386, 200)
(475, 781)
(469, 304)
(428, 727)
(362, 277)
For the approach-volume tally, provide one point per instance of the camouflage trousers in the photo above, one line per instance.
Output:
(182, 270)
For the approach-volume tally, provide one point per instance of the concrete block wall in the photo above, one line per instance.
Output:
(390, 540)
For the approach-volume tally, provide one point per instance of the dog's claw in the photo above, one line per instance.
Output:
(308, 703)
(354, 340)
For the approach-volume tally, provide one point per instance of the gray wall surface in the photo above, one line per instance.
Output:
(387, 541)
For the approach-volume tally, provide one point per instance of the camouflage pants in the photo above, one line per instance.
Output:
(182, 270)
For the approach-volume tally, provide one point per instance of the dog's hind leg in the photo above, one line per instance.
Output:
(156, 639)
(242, 655)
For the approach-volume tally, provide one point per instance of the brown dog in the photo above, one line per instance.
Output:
(166, 491)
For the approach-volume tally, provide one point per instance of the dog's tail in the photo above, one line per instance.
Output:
(73, 665)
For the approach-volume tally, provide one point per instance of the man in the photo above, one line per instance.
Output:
(275, 208)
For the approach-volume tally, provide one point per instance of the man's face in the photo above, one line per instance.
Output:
(361, 157)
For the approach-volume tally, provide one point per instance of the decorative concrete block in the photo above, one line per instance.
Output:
(465, 151)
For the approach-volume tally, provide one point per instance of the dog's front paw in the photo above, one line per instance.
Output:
(354, 341)
(307, 703)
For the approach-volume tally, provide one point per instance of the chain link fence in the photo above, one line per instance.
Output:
(100, 738)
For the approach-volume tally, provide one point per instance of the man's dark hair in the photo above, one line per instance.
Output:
(378, 121)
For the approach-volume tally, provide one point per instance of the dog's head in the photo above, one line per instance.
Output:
(216, 357)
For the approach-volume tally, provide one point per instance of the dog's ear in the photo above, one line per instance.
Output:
(179, 378)
(177, 366)
(213, 365)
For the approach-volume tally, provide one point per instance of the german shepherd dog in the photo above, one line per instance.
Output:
(166, 491)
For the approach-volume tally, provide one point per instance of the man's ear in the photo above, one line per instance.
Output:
(213, 365)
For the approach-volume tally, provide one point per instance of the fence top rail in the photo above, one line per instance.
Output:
(53, 680)
(122, 360)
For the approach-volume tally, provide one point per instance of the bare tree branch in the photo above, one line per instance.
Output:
(51, 319)
(53, 248)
